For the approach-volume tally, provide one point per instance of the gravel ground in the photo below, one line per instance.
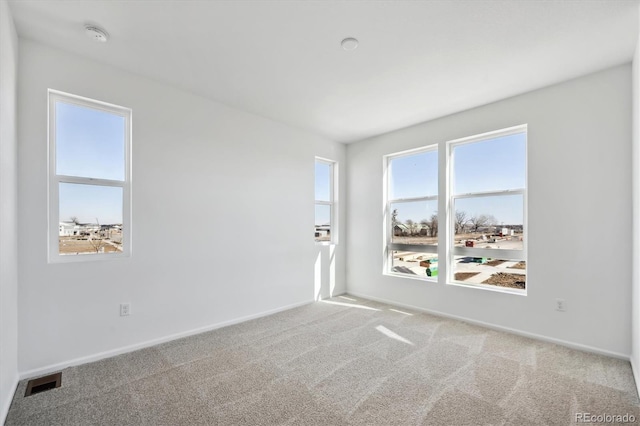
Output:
(502, 279)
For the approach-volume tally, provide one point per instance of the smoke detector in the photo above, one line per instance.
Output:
(95, 33)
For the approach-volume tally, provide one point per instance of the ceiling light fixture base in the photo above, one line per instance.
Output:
(96, 33)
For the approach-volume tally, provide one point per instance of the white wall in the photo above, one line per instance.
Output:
(223, 214)
(8, 211)
(579, 214)
(635, 322)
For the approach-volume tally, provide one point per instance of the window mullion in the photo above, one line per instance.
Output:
(414, 199)
(89, 181)
(519, 191)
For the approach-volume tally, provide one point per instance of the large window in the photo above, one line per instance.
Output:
(488, 209)
(325, 213)
(89, 179)
(412, 214)
(475, 193)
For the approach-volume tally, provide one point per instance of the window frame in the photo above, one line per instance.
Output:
(54, 179)
(445, 249)
(332, 203)
(389, 245)
(509, 254)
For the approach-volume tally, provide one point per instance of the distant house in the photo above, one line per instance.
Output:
(506, 232)
(323, 231)
(400, 229)
(68, 229)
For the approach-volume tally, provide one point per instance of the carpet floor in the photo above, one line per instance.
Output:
(343, 361)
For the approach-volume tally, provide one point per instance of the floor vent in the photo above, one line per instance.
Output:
(42, 384)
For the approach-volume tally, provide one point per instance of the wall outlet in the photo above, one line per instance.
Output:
(125, 309)
(561, 305)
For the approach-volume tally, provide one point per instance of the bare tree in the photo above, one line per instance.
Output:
(479, 221)
(96, 243)
(74, 219)
(433, 225)
(412, 226)
(460, 221)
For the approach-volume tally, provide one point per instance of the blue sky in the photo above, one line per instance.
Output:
(90, 143)
(90, 203)
(491, 165)
(322, 192)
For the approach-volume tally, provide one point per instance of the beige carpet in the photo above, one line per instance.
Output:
(339, 362)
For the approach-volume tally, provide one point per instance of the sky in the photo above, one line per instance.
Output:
(90, 143)
(323, 192)
(490, 165)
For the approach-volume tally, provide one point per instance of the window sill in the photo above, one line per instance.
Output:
(506, 290)
(88, 257)
(411, 277)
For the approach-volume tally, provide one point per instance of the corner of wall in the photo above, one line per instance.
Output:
(8, 211)
(635, 319)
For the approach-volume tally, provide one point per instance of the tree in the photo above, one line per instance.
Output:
(479, 221)
(97, 244)
(433, 224)
(460, 221)
(74, 219)
(412, 226)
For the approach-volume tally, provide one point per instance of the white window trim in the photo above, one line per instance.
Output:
(445, 249)
(333, 200)
(451, 250)
(54, 179)
(389, 247)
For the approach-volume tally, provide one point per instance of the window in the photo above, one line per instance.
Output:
(411, 209)
(325, 213)
(488, 209)
(89, 179)
(481, 182)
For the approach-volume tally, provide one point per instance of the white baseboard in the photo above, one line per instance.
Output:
(106, 354)
(636, 373)
(541, 337)
(6, 404)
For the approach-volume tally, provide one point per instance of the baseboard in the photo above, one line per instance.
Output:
(541, 337)
(636, 373)
(106, 354)
(6, 404)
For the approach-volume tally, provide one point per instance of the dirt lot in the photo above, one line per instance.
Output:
(76, 246)
(519, 265)
(418, 239)
(503, 279)
(461, 276)
(515, 240)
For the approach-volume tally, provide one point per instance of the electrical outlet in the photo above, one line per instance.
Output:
(125, 309)
(561, 305)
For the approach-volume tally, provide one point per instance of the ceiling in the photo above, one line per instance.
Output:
(417, 60)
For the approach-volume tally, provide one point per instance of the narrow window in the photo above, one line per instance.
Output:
(487, 204)
(325, 207)
(411, 210)
(89, 179)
